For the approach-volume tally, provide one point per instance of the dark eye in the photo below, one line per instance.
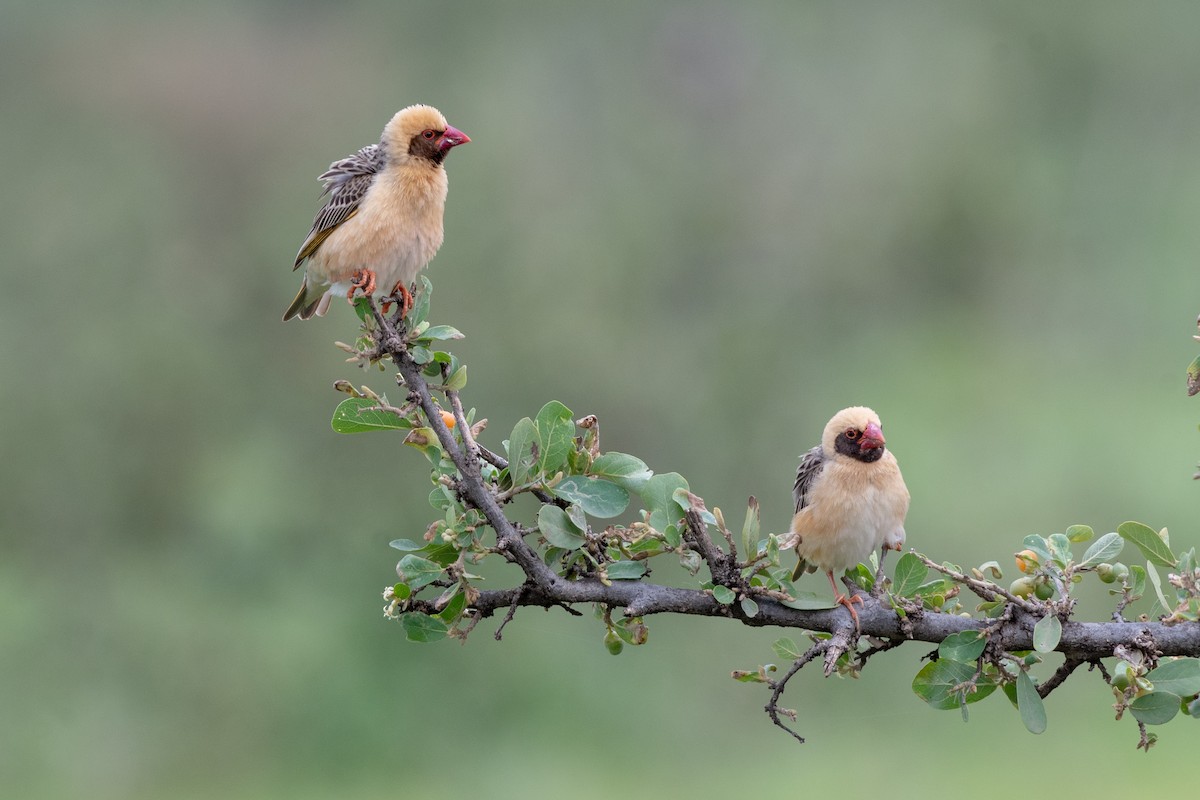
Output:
(851, 434)
(428, 134)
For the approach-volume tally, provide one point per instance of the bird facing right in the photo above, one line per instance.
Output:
(850, 499)
(383, 221)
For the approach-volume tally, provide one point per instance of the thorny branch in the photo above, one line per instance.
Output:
(1081, 642)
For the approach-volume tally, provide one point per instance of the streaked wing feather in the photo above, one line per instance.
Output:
(810, 466)
(347, 182)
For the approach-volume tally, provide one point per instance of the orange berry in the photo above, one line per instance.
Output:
(1027, 561)
(448, 419)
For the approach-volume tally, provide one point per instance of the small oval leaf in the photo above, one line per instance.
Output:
(964, 646)
(558, 529)
(1046, 634)
(1147, 540)
(1155, 708)
(1181, 677)
(723, 595)
(361, 414)
(1106, 548)
(595, 496)
(423, 628)
(1029, 703)
(910, 574)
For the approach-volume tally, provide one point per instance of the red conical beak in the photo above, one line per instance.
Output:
(453, 137)
(872, 437)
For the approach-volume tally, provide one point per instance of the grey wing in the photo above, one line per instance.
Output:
(346, 182)
(806, 474)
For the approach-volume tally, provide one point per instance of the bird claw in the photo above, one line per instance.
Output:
(363, 279)
(406, 300)
(848, 601)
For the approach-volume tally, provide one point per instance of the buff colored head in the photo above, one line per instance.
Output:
(421, 132)
(855, 432)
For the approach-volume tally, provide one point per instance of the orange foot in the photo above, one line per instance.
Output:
(406, 300)
(361, 279)
(846, 600)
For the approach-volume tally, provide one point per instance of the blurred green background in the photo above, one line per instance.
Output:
(710, 225)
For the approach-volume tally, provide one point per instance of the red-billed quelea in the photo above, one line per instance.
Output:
(383, 221)
(850, 499)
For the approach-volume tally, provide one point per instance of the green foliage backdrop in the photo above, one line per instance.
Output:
(709, 226)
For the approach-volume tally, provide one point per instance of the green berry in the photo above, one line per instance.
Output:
(1022, 587)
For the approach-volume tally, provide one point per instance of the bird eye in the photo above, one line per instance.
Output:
(428, 134)
(851, 434)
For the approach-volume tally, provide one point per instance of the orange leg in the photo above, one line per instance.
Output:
(361, 279)
(406, 300)
(845, 600)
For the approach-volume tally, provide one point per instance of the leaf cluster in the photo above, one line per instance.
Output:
(605, 520)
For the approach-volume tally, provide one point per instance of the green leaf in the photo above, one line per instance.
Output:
(558, 529)
(417, 571)
(1029, 703)
(1193, 377)
(556, 433)
(626, 471)
(1181, 677)
(992, 570)
(1149, 542)
(808, 601)
(1046, 634)
(1038, 545)
(1155, 708)
(757, 676)
(625, 570)
(936, 681)
(360, 414)
(405, 545)
(1060, 549)
(422, 627)
(420, 308)
(671, 536)
(657, 496)
(723, 595)
(441, 333)
(454, 608)
(910, 573)
(750, 530)
(749, 607)
(786, 648)
(691, 561)
(1080, 533)
(425, 440)
(1106, 548)
(443, 553)
(457, 379)
(401, 591)
(1156, 582)
(964, 646)
(595, 496)
(524, 450)
(362, 309)
(1137, 587)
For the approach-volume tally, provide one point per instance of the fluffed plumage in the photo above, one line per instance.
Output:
(850, 498)
(383, 221)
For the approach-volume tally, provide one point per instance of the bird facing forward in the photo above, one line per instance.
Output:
(850, 499)
(383, 221)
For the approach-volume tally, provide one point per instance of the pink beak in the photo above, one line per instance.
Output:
(453, 137)
(872, 437)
